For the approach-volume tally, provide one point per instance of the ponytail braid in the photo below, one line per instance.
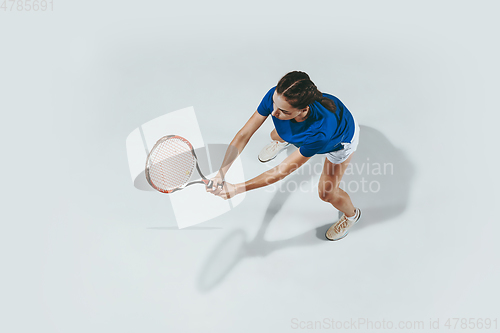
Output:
(300, 91)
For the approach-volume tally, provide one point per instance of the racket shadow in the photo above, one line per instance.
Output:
(235, 247)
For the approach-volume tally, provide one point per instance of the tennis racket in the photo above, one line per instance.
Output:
(170, 165)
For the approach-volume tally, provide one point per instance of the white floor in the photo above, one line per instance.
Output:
(83, 250)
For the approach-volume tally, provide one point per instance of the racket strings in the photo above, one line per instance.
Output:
(171, 164)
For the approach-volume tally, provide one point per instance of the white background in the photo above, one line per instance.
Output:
(82, 250)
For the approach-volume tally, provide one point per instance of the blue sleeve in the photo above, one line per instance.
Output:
(313, 144)
(266, 105)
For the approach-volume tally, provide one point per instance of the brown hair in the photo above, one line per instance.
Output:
(299, 91)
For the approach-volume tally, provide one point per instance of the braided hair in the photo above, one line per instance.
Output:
(299, 91)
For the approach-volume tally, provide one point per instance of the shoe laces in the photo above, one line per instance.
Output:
(274, 145)
(341, 225)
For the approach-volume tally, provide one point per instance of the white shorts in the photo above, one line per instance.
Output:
(341, 155)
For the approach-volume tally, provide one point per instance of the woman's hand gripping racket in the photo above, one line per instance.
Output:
(170, 165)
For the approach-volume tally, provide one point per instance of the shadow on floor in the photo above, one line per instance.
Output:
(378, 181)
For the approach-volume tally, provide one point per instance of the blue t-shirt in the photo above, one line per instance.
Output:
(322, 132)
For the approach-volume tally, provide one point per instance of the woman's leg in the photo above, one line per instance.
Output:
(328, 187)
(275, 136)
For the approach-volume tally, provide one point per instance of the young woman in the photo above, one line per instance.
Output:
(316, 123)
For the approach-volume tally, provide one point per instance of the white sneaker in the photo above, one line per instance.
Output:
(341, 228)
(272, 150)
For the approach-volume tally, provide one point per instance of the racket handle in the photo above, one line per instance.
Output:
(211, 183)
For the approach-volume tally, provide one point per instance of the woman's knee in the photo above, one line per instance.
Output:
(328, 194)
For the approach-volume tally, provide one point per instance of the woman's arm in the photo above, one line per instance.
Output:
(240, 140)
(236, 146)
(289, 165)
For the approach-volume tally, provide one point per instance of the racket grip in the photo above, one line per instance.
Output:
(211, 183)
